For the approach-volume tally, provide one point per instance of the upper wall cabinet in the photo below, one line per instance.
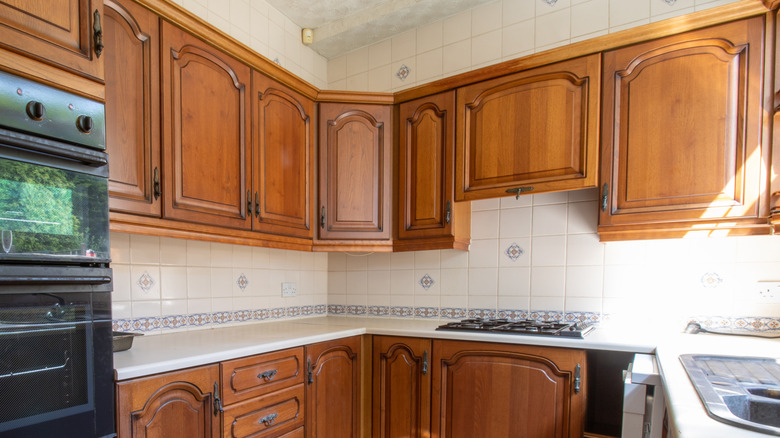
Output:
(534, 131)
(682, 135)
(206, 132)
(775, 169)
(133, 107)
(64, 33)
(355, 172)
(428, 216)
(284, 151)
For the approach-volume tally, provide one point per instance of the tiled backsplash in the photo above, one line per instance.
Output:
(540, 257)
(490, 34)
(168, 284)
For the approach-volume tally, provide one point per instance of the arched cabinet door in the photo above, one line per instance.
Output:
(173, 404)
(133, 107)
(355, 172)
(284, 154)
(690, 159)
(206, 132)
(333, 390)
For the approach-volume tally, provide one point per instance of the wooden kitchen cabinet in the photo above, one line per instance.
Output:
(206, 132)
(64, 33)
(491, 390)
(534, 131)
(355, 173)
(333, 389)
(176, 404)
(428, 216)
(284, 159)
(132, 70)
(690, 159)
(401, 387)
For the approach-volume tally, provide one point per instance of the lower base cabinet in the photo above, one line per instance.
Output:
(499, 390)
(177, 404)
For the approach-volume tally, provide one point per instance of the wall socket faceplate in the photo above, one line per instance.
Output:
(768, 291)
(289, 290)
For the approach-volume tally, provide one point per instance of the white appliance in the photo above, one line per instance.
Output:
(643, 399)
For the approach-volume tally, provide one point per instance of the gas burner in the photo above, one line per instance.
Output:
(524, 327)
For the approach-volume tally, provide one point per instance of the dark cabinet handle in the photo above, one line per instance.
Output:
(98, 33)
(269, 419)
(519, 190)
(577, 379)
(448, 213)
(156, 184)
(309, 373)
(257, 205)
(604, 196)
(249, 203)
(36, 110)
(322, 217)
(217, 402)
(267, 375)
(425, 362)
(85, 124)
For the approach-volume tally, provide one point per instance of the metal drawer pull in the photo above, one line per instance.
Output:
(267, 375)
(577, 379)
(269, 420)
(519, 190)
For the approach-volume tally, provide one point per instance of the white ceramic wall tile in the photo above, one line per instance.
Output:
(483, 281)
(584, 249)
(357, 282)
(427, 259)
(539, 304)
(359, 82)
(145, 282)
(514, 302)
(456, 57)
(452, 258)
(549, 220)
(357, 262)
(357, 61)
(514, 252)
(379, 261)
(486, 48)
(378, 282)
(120, 247)
(402, 260)
(411, 68)
(122, 282)
(221, 282)
(553, 28)
(144, 249)
(404, 45)
(518, 38)
(379, 54)
(146, 309)
(456, 28)
(483, 253)
(429, 37)
(583, 217)
(515, 11)
(429, 65)
(671, 14)
(402, 282)
(121, 309)
(337, 68)
(484, 224)
(198, 253)
(427, 282)
(550, 198)
(486, 18)
(198, 283)
(173, 283)
(514, 281)
(381, 79)
(548, 251)
(548, 282)
(584, 281)
(662, 7)
(485, 204)
(589, 17)
(454, 281)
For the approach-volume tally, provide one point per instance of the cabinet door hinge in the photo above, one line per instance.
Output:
(156, 184)
(448, 213)
(322, 217)
(604, 196)
(217, 401)
(97, 33)
(425, 362)
(577, 379)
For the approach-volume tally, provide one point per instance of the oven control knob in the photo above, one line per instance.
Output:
(36, 110)
(85, 124)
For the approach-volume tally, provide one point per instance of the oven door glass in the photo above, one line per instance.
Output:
(50, 213)
(46, 357)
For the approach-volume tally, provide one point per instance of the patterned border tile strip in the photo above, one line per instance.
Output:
(745, 324)
(458, 313)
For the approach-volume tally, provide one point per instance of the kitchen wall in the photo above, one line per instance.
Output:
(490, 34)
(540, 257)
(265, 30)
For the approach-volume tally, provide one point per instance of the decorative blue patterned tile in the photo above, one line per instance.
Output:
(403, 72)
(426, 312)
(711, 280)
(242, 281)
(514, 251)
(145, 282)
(553, 2)
(426, 282)
(589, 317)
(513, 314)
(670, 2)
(546, 315)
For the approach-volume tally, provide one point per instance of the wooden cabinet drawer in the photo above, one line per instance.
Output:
(254, 376)
(268, 416)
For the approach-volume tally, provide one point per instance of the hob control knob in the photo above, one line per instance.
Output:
(36, 110)
(85, 124)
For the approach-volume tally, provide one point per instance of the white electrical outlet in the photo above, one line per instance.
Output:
(289, 290)
(768, 291)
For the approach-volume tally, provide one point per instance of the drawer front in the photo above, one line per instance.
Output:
(269, 416)
(259, 375)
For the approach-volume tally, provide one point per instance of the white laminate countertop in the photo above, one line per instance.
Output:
(688, 418)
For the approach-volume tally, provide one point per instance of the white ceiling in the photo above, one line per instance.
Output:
(344, 25)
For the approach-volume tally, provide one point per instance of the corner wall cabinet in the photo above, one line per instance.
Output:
(492, 390)
(428, 216)
(534, 131)
(683, 150)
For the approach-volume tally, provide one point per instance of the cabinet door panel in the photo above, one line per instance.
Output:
(333, 391)
(536, 129)
(258, 375)
(59, 32)
(692, 152)
(355, 165)
(284, 133)
(402, 387)
(205, 132)
(132, 107)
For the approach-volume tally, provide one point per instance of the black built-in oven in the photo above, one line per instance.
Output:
(56, 367)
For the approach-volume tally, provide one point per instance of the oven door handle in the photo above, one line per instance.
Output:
(27, 279)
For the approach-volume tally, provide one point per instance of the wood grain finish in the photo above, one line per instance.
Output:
(133, 107)
(179, 404)
(206, 127)
(536, 129)
(692, 153)
(492, 390)
(254, 376)
(266, 417)
(402, 387)
(333, 390)
(56, 32)
(355, 171)
(426, 159)
(284, 166)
